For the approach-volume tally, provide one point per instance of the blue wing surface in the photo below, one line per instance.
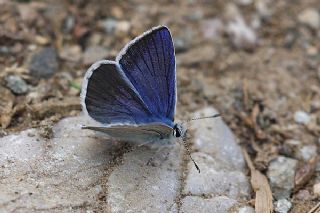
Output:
(148, 61)
(109, 98)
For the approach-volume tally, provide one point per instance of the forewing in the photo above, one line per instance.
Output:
(149, 63)
(108, 96)
(141, 133)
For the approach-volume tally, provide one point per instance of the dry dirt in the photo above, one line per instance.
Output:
(257, 83)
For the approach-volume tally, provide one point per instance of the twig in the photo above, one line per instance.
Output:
(245, 94)
(260, 185)
(305, 173)
(315, 209)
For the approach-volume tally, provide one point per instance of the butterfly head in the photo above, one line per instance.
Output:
(179, 130)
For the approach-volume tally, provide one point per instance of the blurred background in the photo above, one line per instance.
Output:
(256, 61)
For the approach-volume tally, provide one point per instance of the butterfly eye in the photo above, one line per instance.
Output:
(177, 131)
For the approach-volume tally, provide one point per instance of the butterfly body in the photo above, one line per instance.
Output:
(134, 97)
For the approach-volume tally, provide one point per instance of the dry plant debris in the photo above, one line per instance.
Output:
(261, 187)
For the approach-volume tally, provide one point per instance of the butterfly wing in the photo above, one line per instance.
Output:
(149, 63)
(109, 97)
(136, 133)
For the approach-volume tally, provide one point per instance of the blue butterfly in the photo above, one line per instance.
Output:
(134, 97)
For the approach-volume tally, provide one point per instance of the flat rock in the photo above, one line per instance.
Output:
(57, 175)
(212, 136)
(192, 204)
(221, 204)
(137, 187)
(222, 166)
(215, 179)
(83, 171)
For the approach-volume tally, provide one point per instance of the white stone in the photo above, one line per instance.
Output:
(122, 27)
(307, 152)
(244, 2)
(239, 32)
(282, 206)
(301, 117)
(310, 17)
(212, 28)
(264, 9)
(316, 189)
(281, 174)
(293, 142)
(242, 36)
(246, 209)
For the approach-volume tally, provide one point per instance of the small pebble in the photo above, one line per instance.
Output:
(316, 189)
(312, 51)
(264, 9)
(241, 35)
(212, 28)
(244, 2)
(282, 206)
(16, 84)
(184, 40)
(93, 54)
(44, 63)
(180, 45)
(301, 117)
(293, 142)
(196, 15)
(117, 12)
(122, 27)
(307, 152)
(310, 17)
(246, 209)
(281, 173)
(71, 53)
(209, 90)
(318, 167)
(69, 24)
(303, 194)
(109, 25)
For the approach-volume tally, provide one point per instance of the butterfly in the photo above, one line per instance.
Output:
(134, 97)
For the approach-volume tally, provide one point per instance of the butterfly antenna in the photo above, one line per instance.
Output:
(188, 151)
(205, 117)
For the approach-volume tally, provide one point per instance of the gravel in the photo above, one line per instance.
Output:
(44, 63)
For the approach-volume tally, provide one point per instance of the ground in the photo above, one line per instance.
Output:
(255, 61)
